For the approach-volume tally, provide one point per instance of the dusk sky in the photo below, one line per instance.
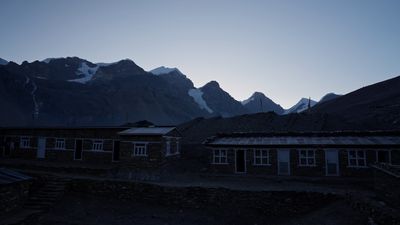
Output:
(285, 49)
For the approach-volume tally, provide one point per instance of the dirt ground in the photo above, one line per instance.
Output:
(81, 209)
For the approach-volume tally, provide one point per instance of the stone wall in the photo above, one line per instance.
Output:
(13, 195)
(272, 203)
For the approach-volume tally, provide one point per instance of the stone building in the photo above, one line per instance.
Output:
(137, 146)
(303, 154)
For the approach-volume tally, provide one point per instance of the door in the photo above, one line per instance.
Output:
(332, 162)
(116, 151)
(240, 157)
(383, 156)
(41, 150)
(78, 150)
(284, 162)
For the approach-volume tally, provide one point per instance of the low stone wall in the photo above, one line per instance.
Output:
(13, 195)
(272, 203)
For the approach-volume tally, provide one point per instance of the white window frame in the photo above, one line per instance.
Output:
(25, 142)
(261, 156)
(357, 158)
(139, 149)
(59, 144)
(307, 157)
(97, 145)
(221, 158)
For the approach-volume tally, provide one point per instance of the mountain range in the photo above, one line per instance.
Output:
(72, 91)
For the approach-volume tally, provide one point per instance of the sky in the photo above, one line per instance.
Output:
(286, 49)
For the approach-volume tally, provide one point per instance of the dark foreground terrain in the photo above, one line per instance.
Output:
(82, 209)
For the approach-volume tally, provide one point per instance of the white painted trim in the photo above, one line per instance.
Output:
(134, 149)
(357, 158)
(102, 145)
(337, 163)
(55, 143)
(288, 161)
(307, 157)
(268, 157)
(220, 163)
(25, 146)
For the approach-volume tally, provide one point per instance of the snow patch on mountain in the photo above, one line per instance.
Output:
(300, 106)
(197, 95)
(87, 73)
(163, 70)
(48, 60)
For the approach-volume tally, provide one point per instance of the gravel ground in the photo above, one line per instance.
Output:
(81, 209)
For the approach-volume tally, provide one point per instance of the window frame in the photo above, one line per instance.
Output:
(25, 144)
(100, 143)
(357, 158)
(307, 157)
(261, 157)
(222, 158)
(142, 152)
(57, 141)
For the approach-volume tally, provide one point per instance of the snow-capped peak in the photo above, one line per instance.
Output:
(163, 70)
(87, 73)
(301, 106)
(47, 60)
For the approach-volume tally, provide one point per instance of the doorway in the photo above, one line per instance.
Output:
(41, 150)
(116, 152)
(332, 162)
(383, 156)
(240, 157)
(78, 149)
(284, 162)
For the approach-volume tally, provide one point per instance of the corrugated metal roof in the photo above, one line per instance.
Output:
(147, 131)
(295, 140)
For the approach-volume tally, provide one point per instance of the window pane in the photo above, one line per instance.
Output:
(311, 153)
(303, 153)
(360, 154)
(361, 162)
(310, 161)
(352, 154)
(353, 162)
(303, 161)
(264, 161)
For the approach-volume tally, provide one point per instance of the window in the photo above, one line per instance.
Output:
(25, 142)
(60, 143)
(261, 157)
(383, 156)
(307, 157)
(356, 158)
(97, 145)
(220, 156)
(168, 147)
(140, 149)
